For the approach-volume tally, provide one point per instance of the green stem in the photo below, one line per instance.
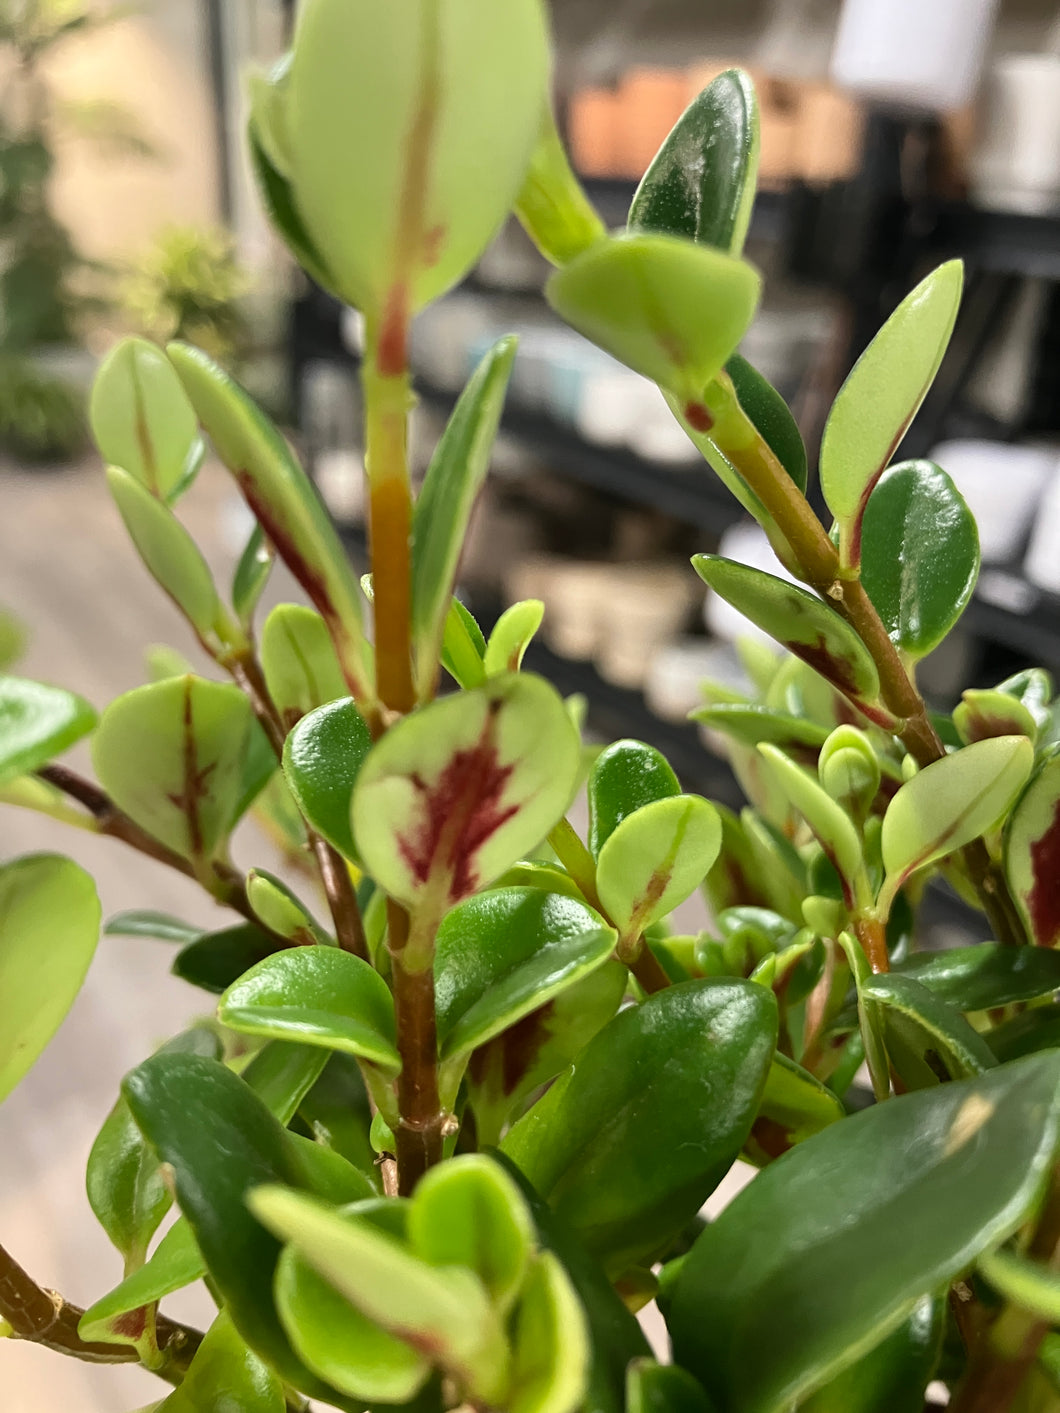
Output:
(576, 859)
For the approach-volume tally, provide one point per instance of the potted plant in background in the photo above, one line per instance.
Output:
(436, 1150)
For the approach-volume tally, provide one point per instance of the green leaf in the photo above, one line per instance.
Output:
(170, 554)
(322, 758)
(458, 791)
(830, 823)
(919, 554)
(123, 1179)
(176, 1262)
(215, 959)
(552, 206)
(278, 199)
(226, 1377)
(797, 620)
(469, 1212)
(655, 859)
(637, 1089)
(171, 755)
(701, 184)
(551, 1350)
(796, 1102)
(751, 724)
(870, 1021)
(533, 873)
(1034, 688)
(340, 1344)
(38, 723)
(1024, 1282)
(880, 398)
(445, 1310)
(985, 975)
(251, 576)
(221, 1142)
(951, 802)
(284, 502)
(1032, 847)
(798, 1278)
(144, 923)
(299, 662)
(279, 909)
(1026, 1034)
(336, 1111)
(927, 1040)
(849, 770)
(505, 1071)
(370, 157)
(625, 776)
(463, 647)
(49, 927)
(981, 714)
(892, 1377)
(664, 1388)
(318, 996)
(503, 954)
(771, 415)
(454, 478)
(141, 419)
(669, 309)
(512, 635)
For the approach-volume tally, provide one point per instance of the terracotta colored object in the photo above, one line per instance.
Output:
(593, 122)
(651, 101)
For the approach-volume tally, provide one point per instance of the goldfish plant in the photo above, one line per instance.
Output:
(460, 1099)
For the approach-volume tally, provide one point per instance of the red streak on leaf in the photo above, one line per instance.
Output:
(393, 354)
(458, 813)
(982, 726)
(433, 244)
(833, 668)
(131, 1324)
(1043, 901)
(697, 417)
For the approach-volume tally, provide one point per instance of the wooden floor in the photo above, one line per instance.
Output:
(68, 571)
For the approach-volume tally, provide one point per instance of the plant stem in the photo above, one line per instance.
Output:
(872, 935)
(387, 393)
(422, 1124)
(754, 459)
(649, 971)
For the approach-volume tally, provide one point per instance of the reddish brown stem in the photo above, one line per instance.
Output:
(872, 935)
(422, 1125)
(649, 971)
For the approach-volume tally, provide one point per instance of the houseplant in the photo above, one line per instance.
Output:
(435, 1152)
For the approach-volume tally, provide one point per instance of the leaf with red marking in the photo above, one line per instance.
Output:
(798, 620)
(172, 756)
(982, 713)
(457, 792)
(1032, 853)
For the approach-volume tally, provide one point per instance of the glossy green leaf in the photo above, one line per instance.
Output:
(49, 927)
(221, 1142)
(552, 206)
(446, 1310)
(299, 662)
(669, 309)
(1032, 848)
(284, 502)
(443, 510)
(870, 1021)
(637, 1090)
(796, 1103)
(215, 959)
(797, 620)
(123, 1179)
(503, 954)
(340, 1344)
(771, 415)
(985, 975)
(831, 824)
(336, 1111)
(533, 873)
(321, 761)
(379, 176)
(1023, 1282)
(1026, 1034)
(1033, 687)
(701, 184)
(463, 647)
(457, 792)
(893, 1377)
(625, 776)
(506, 1071)
(798, 1278)
(512, 635)
(880, 398)
(951, 802)
(145, 923)
(38, 723)
(981, 714)
(170, 554)
(849, 770)
(141, 418)
(318, 996)
(750, 724)
(919, 554)
(664, 1388)
(175, 1263)
(171, 755)
(251, 576)
(655, 859)
(928, 1041)
(551, 1350)
(279, 909)
(469, 1212)
(226, 1377)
